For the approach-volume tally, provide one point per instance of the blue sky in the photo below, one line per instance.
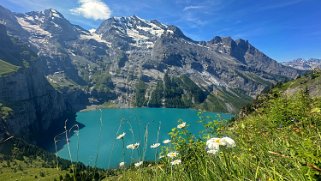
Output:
(283, 29)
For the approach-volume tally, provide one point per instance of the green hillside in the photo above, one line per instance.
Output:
(22, 161)
(278, 137)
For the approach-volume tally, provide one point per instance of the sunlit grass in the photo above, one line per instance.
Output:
(262, 146)
(23, 170)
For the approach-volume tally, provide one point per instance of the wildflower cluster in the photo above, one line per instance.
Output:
(135, 146)
(213, 144)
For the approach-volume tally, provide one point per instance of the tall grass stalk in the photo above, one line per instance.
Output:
(99, 139)
(4, 140)
(67, 141)
(77, 133)
(113, 145)
(145, 142)
(56, 147)
(132, 132)
(157, 139)
(69, 152)
(56, 154)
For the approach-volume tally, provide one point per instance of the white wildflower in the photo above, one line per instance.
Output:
(229, 142)
(172, 154)
(176, 162)
(214, 143)
(138, 164)
(121, 164)
(182, 125)
(155, 145)
(162, 156)
(166, 141)
(121, 136)
(133, 146)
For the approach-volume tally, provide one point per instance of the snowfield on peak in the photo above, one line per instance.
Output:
(35, 29)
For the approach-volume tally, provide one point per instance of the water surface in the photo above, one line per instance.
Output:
(137, 123)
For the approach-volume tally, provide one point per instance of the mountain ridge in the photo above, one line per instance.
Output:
(108, 64)
(304, 64)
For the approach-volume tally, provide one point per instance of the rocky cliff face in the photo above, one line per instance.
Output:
(131, 61)
(35, 105)
(30, 106)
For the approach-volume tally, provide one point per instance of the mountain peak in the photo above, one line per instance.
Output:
(132, 27)
(54, 13)
(50, 13)
(48, 23)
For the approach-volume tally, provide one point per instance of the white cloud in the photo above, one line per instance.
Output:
(187, 8)
(92, 9)
(281, 5)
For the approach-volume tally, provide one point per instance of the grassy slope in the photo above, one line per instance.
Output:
(311, 82)
(6, 68)
(225, 101)
(28, 169)
(280, 140)
(22, 161)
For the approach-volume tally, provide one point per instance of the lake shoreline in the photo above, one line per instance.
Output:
(100, 136)
(109, 105)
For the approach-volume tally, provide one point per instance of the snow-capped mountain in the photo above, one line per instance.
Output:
(146, 63)
(303, 64)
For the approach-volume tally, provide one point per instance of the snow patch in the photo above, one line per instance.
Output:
(96, 37)
(57, 26)
(35, 29)
(92, 31)
(196, 44)
(154, 30)
(54, 13)
(170, 31)
(135, 35)
(30, 18)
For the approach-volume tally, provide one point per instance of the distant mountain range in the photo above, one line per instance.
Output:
(303, 64)
(129, 61)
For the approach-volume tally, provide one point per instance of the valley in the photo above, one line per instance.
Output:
(141, 99)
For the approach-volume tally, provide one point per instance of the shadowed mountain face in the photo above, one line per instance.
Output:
(30, 107)
(132, 61)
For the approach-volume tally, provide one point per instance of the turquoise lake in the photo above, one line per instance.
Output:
(137, 123)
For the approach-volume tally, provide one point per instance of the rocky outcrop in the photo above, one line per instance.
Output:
(30, 107)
